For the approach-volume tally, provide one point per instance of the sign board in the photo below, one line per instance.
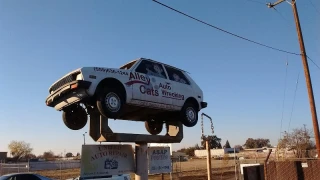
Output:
(101, 160)
(162, 145)
(159, 160)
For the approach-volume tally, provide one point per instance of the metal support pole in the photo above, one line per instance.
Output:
(84, 138)
(141, 152)
(208, 160)
(308, 78)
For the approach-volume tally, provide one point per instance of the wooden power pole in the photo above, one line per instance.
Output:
(306, 72)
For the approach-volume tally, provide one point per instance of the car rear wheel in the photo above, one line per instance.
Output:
(75, 117)
(153, 127)
(110, 103)
(189, 115)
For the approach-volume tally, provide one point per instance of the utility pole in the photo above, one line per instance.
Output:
(306, 71)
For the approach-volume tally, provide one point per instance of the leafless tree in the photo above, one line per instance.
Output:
(19, 149)
(299, 141)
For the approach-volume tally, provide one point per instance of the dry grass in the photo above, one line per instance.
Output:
(187, 175)
(194, 169)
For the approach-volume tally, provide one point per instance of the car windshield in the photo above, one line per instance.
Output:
(4, 177)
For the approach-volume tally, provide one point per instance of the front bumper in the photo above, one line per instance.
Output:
(203, 104)
(68, 94)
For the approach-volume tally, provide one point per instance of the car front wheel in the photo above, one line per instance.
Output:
(109, 103)
(189, 115)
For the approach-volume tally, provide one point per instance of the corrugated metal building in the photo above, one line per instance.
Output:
(215, 152)
(3, 156)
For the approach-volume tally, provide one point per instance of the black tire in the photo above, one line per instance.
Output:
(75, 117)
(189, 115)
(153, 127)
(110, 103)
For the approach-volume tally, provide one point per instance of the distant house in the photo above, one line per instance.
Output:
(3, 156)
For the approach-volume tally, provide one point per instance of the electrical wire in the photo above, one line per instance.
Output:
(313, 62)
(282, 16)
(314, 7)
(257, 2)
(284, 96)
(225, 31)
(238, 36)
(294, 99)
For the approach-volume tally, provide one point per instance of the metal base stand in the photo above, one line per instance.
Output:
(141, 161)
(100, 131)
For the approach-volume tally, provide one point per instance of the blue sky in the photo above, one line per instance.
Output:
(243, 83)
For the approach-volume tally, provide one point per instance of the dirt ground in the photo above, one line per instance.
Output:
(194, 169)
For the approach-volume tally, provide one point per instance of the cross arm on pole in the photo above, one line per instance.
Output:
(271, 5)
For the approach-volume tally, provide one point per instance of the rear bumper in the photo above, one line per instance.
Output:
(68, 94)
(203, 104)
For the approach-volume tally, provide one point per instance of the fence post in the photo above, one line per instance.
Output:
(60, 170)
(265, 165)
(208, 160)
(171, 169)
(28, 165)
(235, 163)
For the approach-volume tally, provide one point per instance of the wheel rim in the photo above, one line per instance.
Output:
(112, 101)
(191, 114)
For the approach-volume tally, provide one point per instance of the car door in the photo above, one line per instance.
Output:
(181, 87)
(148, 80)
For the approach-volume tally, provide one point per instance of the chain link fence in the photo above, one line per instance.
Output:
(223, 167)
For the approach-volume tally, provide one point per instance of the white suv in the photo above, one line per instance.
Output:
(141, 90)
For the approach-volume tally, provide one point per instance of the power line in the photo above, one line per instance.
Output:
(313, 62)
(220, 29)
(284, 96)
(314, 7)
(282, 16)
(294, 99)
(259, 2)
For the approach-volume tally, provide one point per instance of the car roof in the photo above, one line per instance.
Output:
(156, 62)
(12, 174)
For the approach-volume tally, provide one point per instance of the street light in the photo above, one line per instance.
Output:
(84, 138)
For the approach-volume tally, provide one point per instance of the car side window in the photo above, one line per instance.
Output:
(28, 176)
(151, 68)
(176, 75)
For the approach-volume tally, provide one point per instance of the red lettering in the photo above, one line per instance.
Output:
(142, 78)
(137, 76)
(131, 76)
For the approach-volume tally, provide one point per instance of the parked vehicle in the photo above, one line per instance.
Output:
(111, 177)
(23, 176)
(141, 90)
